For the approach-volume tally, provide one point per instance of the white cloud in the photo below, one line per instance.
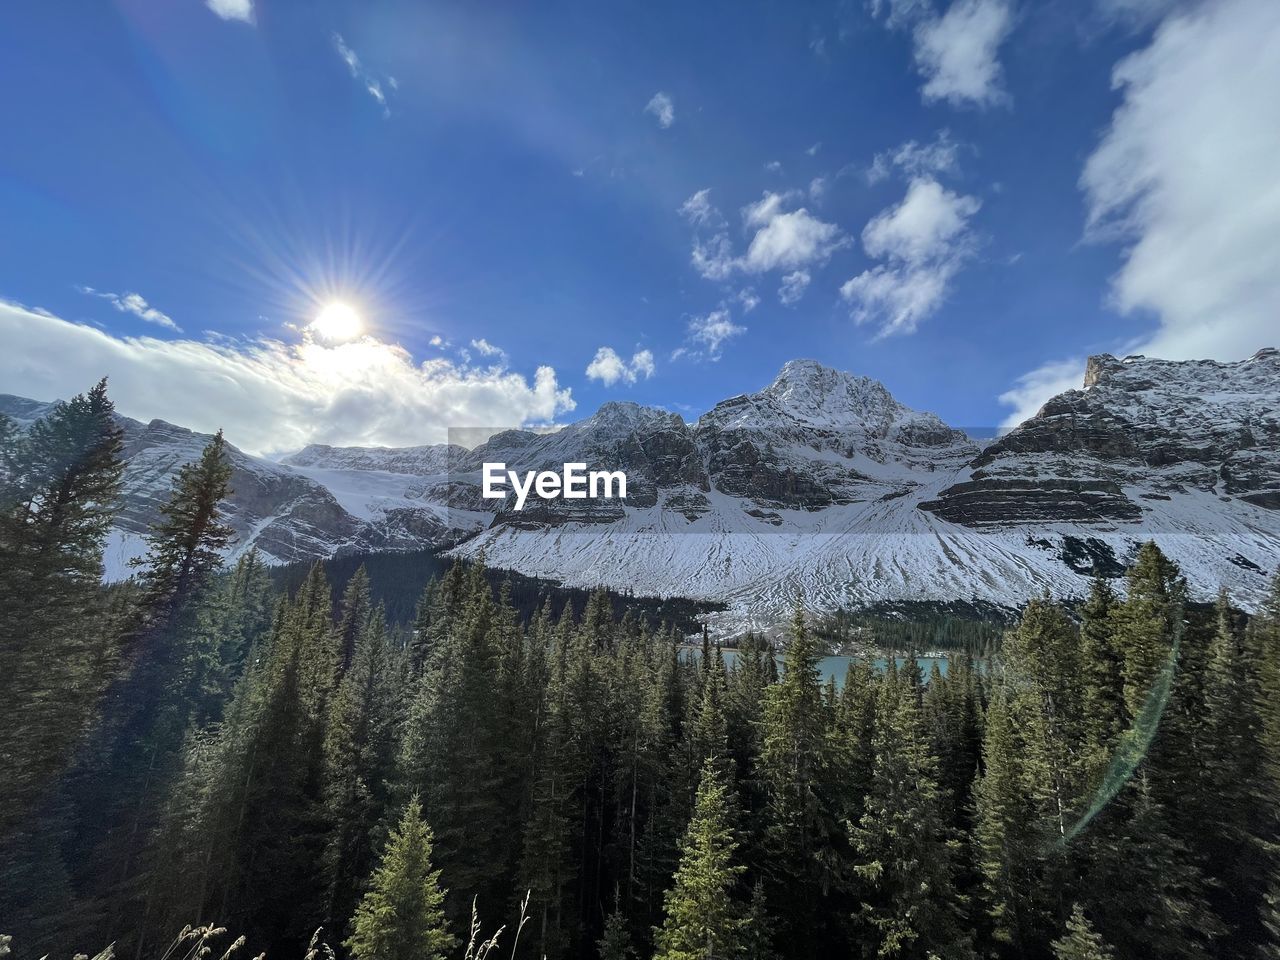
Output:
(663, 109)
(924, 241)
(487, 349)
(372, 84)
(269, 395)
(774, 166)
(817, 189)
(642, 364)
(438, 341)
(1187, 176)
(782, 239)
(1032, 389)
(813, 150)
(232, 9)
(916, 159)
(709, 334)
(609, 368)
(1138, 12)
(699, 210)
(788, 239)
(793, 287)
(749, 299)
(956, 53)
(924, 226)
(713, 257)
(134, 303)
(899, 13)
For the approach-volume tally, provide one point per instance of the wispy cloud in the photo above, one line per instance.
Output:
(609, 368)
(376, 86)
(135, 304)
(699, 210)
(707, 335)
(915, 159)
(241, 10)
(663, 109)
(793, 287)
(487, 349)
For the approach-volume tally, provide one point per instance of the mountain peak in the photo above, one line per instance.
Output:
(814, 392)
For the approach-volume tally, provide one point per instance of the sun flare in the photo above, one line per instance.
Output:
(337, 323)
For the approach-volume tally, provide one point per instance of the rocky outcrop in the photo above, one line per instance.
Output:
(1139, 431)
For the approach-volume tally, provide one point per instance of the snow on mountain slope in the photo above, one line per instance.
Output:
(819, 487)
(824, 488)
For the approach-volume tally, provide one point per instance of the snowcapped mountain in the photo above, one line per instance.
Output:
(820, 486)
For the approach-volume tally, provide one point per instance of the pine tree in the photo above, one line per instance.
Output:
(1264, 641)
(703, 919)
(1146, 890)
(800, 818)
(903, 848)
(757, 933)
(1009, 837)
(615, 944)
(354, 615)
(453, 750)
(119, 788)
(1081, 941)
(1104, 708)
(359, 754)
(186, 545)
(58, 496)
(1232, 839)
(402, 915)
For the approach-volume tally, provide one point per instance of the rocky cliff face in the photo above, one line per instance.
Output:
(1139, 432)
(821, 486)
(817, 437)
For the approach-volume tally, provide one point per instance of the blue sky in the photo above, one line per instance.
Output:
(556, 204)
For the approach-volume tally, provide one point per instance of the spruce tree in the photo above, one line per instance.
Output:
(119, 787)
(704, 921)
(800, 817)
(1103, 679)
(1081, 941)
(58, 496)
(402, 915)
(359, 754)
(615, 943)
(1009, 838)
(904, 850)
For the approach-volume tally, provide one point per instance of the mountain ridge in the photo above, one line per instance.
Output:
(821, 485)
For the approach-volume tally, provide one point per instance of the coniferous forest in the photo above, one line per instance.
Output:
(199, 760)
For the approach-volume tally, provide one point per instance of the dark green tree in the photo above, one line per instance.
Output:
(904, 850)
(1081, 941)
(704, 920)
(402, 915)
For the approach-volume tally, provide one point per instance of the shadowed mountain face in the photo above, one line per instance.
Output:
(821, 482)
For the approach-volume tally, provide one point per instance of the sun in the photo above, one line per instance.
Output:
(338, 322)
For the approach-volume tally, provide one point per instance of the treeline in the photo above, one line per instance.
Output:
(396, 582)
(203, 749)
(975, 629)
